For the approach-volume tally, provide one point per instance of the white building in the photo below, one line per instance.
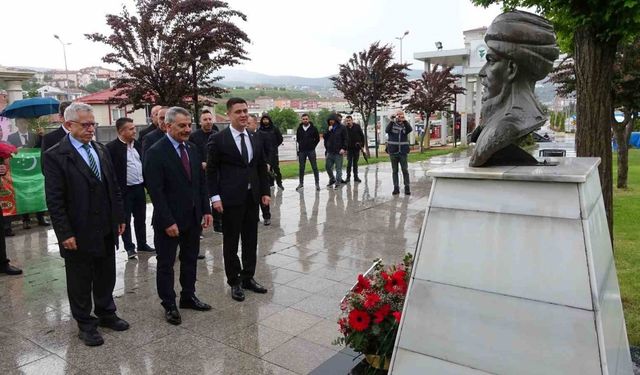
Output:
(468, 62)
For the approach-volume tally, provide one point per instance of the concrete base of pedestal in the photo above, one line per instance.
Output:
(514, 274)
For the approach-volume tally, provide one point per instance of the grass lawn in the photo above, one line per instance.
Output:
(626, 230)
(289, 169)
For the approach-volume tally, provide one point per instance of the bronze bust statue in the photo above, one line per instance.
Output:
(521, 50)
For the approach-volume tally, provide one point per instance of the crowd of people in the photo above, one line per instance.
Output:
(209, 177)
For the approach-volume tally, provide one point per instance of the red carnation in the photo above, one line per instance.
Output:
(397, 315)
(359, 320)
(382, 313)
(363, 284)
(371, 301)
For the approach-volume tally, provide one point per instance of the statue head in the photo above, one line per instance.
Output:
(521, 47)
(521, 51)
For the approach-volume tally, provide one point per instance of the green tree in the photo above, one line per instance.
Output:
(591, 31)
(321, 119)
(285, 118)
(97, 85)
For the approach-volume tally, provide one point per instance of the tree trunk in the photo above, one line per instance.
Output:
(196, 115)
(622, 133)
(427, 132)
(594, 74)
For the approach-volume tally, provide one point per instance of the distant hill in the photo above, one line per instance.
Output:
(234, 78)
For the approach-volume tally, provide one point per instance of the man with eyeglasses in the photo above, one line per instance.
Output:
(87, 213)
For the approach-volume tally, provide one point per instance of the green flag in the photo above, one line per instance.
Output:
(28, 181)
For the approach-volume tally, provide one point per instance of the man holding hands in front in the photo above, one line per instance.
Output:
(238, 182)
(176, 183)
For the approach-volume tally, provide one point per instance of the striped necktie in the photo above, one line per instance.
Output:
(92, 162)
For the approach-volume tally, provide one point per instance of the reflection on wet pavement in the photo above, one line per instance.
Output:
(308, 258)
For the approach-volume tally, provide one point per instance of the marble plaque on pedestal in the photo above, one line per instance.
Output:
(514, 274)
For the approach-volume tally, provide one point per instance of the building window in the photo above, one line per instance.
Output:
(116, 113)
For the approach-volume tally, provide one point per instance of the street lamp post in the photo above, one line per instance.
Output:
(64, 53)
(400, 39)
(372, 81)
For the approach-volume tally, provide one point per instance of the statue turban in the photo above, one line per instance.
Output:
(525, 38)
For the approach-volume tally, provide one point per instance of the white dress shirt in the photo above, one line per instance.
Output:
(238, 139)
(134, 165)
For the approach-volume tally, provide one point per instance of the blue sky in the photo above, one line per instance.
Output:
(289, 37)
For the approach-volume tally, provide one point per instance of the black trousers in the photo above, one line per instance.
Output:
(352, 162)
(87, 276)
(240, 222)
(217, 218)
(302, 161)
(275, 166)
(166, 252)
(135, 204)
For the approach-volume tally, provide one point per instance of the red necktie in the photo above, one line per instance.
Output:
(185, 160)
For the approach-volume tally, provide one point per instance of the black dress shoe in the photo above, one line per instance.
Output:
(356, 179)
(26, 224)
(237, 293)
(396, 191)
(114, 323)
(346, 181)
(9, 232)
(44, 222)
(194, 303)
(146, 249)
(251, 284)
(267, 222)
(91, 338)
(172, 315)
(407, 190)
(10, 270)
(200, 256)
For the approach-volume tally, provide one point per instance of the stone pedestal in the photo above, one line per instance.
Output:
(514, 274)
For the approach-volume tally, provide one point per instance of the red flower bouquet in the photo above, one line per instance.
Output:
(371, 311)
(7, 150)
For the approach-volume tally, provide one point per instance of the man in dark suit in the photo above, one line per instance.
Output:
(200, 138)
(51, 139)
(154, 123)
(86, 210)
(177, 187)
(156, 134)
(126, 154)
(23, 138)
(238, 182)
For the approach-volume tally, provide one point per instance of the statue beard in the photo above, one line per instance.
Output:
(496, 107)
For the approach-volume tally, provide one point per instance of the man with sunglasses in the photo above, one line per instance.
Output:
(87, 213)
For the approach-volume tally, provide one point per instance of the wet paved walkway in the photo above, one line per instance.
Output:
(308, 258)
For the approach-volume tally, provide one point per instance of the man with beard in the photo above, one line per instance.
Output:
(307, 139)
(521, 50)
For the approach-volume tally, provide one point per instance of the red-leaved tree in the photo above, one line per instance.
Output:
(371, 78)
(171, 49)
(434, 91)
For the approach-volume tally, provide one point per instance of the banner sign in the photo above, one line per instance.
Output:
(22, 188)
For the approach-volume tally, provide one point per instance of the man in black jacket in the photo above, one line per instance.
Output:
(51, 139)
(156, 134)
(307, 138)
(154, 123)
(177, 186)
(238, 182)
(86, 210)
(272, 137)
(335, 142)
(126, 154)
(200, 138)
(356, 140)
(398, 149)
